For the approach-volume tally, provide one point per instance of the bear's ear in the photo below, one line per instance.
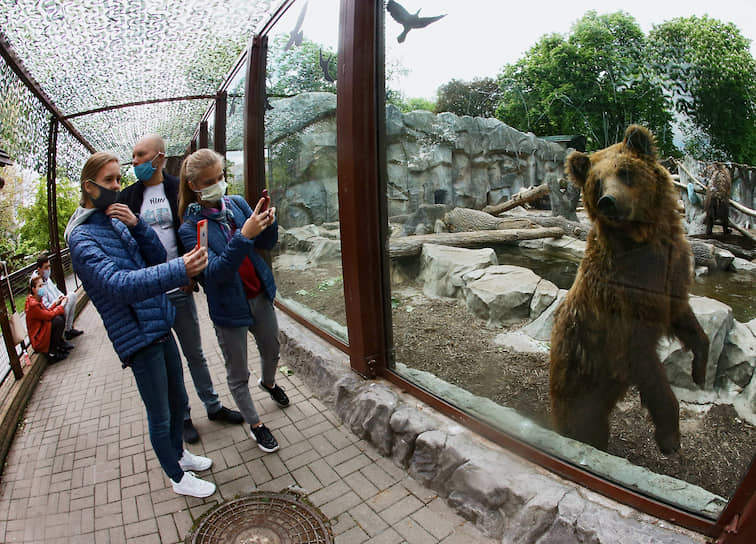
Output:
(578, 165)
(639, 140)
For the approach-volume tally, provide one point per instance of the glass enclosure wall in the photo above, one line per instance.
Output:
(235, 133)
(300, 157)
(485, 102)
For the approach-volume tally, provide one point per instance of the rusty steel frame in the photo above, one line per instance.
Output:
(219, 138)
(254, 119)
(140, 103)
(52, 206)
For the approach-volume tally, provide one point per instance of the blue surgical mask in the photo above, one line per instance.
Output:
(144, 171)
(46, 275)
(41, 291)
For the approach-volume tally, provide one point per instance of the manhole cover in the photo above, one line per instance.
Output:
(264, 518)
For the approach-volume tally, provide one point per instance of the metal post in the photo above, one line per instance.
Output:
(219, 142)
(203, 139)
(254, 119)
(56, 263)
(360, 197)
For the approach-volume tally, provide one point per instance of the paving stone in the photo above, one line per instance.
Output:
(368, 520)
(401, 509)
(355, 535)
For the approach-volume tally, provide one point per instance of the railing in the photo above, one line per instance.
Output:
(10, 354)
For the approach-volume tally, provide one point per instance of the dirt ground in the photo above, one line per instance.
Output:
(442, 337)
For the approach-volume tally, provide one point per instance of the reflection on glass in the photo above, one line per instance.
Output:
(211, 129)
(477, 141)
(235, 133)
(300, 151)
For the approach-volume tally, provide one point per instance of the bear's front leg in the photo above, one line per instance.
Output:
(687, 328)
(657, 396)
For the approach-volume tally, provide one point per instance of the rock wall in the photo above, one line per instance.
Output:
(431, 159)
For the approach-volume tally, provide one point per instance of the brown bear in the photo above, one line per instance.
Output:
(717, 201)
(631, 288)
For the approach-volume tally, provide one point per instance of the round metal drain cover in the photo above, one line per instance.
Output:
(264, 518)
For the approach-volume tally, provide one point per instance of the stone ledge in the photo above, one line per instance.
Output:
(505, 496)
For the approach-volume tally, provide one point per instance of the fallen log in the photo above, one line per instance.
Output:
(743, 253)
(710, 256)
(519, 199)
(408, 246)
(570, 228)
(737, 205)
(469, 220)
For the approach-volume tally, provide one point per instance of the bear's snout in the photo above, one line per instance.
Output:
(607, 206)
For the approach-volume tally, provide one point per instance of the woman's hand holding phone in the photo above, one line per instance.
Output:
(258, 221)
(195, 261)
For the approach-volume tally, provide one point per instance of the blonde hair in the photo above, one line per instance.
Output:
(93, 165)
(190, 169)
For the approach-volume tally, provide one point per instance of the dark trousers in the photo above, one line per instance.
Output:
(160, 380)
(56, 333)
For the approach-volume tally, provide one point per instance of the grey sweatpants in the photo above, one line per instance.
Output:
(233, 344)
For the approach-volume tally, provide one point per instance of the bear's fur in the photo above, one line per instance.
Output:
(717, 201)
(631, 288)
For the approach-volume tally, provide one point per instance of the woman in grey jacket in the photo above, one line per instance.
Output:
(121, 264)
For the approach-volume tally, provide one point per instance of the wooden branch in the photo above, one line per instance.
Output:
(408, 246)
(743, 231)
(468, 220)
(737, 205)
(570, 228)
(519, 199)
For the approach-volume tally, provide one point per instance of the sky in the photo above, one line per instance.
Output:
(478, 37)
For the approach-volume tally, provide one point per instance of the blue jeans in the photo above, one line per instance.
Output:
(160, 380)
(186, 327)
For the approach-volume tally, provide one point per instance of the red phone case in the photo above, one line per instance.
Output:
(202, 233)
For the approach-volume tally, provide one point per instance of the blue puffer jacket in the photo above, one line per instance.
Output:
(124, 273)
(226, 299)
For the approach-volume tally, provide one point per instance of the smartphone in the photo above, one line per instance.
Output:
(202, 233)
(266, 202)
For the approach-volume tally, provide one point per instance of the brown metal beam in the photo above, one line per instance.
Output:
(203, 135)
(56, 263)
(219, 138)
(140, 103)
(359, 186)
(737, 524)
(254, 119)
(7, 52)
(15, 363)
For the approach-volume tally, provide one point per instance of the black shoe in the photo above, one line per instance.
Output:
(191, 436)
(276, 393)
(224, 415)
(66, 345)
(54, 357)
(264, 438)
(73, 333)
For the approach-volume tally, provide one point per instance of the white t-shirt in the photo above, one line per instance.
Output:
(156, 212)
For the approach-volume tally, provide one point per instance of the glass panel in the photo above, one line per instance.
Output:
(300, 140)
(235, 132)
(492, 121)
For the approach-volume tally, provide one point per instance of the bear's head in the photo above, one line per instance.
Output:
(624, 186)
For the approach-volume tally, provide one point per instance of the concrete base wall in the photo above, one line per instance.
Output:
(505, 496)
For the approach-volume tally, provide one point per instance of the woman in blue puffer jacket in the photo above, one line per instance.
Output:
(238, 283)
(121, 264)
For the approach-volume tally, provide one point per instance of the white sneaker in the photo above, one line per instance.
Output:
(189, 461)
(193, 486)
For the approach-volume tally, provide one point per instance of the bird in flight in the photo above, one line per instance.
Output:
(409, 20)
(296, 35)
(325, 65)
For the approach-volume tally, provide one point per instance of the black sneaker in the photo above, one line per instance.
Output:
(191, 436)
(276, 393)
(73, 333)
(54, 357)
(224, 415)
(66, 345)
(264, 438)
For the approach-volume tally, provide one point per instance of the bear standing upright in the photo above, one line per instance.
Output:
(631, 288)
(717, 202)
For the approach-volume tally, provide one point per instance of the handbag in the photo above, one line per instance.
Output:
(17, 325)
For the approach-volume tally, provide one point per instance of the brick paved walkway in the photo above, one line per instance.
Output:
(81, 468)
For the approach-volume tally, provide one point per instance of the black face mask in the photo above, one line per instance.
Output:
(106, 197)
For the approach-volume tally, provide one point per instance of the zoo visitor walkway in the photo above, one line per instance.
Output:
(81, 467)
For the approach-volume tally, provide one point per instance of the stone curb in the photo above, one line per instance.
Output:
(507, 498)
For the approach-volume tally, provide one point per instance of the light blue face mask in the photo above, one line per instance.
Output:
(41, 291)
(144, 171)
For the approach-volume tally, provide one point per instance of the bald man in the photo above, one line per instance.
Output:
(154, 198)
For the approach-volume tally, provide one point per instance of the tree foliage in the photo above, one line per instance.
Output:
(596, 81)
(34, 229)
(711, 76)
(477, 98)
(12, 247)
(298, 69)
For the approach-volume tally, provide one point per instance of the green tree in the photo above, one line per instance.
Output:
(12, 248)
(298, 70)
(477, 98)
(596, 81)
(710, 74)
(34, 230)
